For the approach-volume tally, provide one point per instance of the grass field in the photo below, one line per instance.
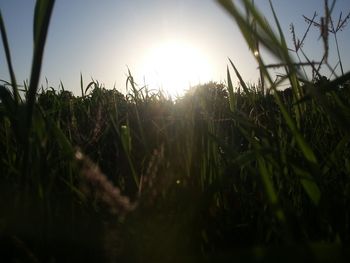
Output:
(247, 173)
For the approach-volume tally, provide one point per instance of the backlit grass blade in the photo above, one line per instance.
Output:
(281, 35)
(290, 68)
(241, 81)
(8, 59)
(262, 32)
(138, 99)
(43, 10)
(230, 91)
(82, 85)
(89, 86)
(266, 36)
(42, 15)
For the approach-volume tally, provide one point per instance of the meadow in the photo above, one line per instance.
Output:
(248, 173)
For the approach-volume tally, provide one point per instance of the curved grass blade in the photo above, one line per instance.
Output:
(266, 36)
(92, 83)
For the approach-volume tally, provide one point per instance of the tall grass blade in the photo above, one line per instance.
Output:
(138, 99)
(230, 91)
(261, 32)
(82, 85)
(8, 59)
(271, 42)
(241, 81)
(43, 10)
(126, 142)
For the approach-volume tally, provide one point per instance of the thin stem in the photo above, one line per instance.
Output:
(338, 52)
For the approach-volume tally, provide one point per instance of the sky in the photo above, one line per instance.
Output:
(168, 44)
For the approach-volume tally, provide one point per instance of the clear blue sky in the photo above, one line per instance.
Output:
(101, 38)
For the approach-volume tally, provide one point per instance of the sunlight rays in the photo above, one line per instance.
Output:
(174, 66)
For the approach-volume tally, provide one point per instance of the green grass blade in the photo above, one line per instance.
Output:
(309, 185)
(43, 10)
(270, 189)
(64, 143)
(138, 99)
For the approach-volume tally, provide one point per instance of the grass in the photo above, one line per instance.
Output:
(247, 173)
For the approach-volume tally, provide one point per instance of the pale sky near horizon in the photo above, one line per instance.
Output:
(101, 39)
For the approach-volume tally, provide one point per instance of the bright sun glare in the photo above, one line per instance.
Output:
(175, 66)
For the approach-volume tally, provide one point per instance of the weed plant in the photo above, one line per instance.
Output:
(247, 173)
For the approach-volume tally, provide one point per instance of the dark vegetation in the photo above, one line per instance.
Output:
(249, 174)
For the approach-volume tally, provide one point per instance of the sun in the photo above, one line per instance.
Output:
(175, 66)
